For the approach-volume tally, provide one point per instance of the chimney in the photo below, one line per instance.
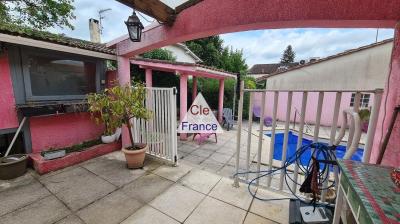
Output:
(94, 28)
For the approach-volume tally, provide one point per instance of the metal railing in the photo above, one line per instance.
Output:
(336, 112)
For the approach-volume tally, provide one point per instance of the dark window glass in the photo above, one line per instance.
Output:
(364, 100)
(57, 77)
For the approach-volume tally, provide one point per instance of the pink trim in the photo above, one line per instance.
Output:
(45, 166)
(220, 99)
(194, 88)
(187, 68)
(390, 99)
(8, 111)
(149, 77)
(183, 101)
(124, 77)
(204, 19)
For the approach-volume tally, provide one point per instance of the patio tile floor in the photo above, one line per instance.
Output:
(78, 187)
(178, 202)
(200, 181)
(103, 190)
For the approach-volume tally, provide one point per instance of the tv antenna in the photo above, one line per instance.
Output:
(101, 17)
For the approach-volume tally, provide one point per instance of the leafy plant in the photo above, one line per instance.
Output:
(159, 54)
(128, 102)
(40, 14)
(364, 114)
(100, 108)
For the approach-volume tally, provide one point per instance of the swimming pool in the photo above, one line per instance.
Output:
(305, 158)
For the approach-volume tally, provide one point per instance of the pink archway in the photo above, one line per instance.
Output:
(211, 17)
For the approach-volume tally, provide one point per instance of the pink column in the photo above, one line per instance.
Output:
(124, 77)
(220, 99)
(183, 100)
(391, 99)
(194, 88)
(149, 77)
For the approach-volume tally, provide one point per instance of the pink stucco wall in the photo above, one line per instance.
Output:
(67, 129)
(391, 99)
(8, 113)
(311, 111)
(63, 130)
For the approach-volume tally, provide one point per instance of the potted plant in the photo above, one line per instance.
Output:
(100, 108)
(128, 102)
(364, 116)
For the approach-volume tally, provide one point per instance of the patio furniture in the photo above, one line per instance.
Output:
(369, 192)
(228, 118)
(268, 121)
(257, 115)
(203, 137)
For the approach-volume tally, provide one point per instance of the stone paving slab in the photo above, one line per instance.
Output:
(255, 219)
(212, 210)
(237, 196)
(46, 210)
(78, 187)
(114, 171)
(178, 202)
(112, 209)
(200, 181)
(19, 196)
(71, 219)
(277, 211)
(172, 173)
(147, 187)
(149, 215)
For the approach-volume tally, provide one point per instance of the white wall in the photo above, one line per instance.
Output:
(180, 54)
(362, 70)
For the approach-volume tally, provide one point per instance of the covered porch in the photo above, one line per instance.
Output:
(184, 70)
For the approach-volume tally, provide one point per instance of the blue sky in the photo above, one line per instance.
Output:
(260, 46)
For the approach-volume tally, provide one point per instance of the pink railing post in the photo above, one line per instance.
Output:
(220, 99)
(183, 101)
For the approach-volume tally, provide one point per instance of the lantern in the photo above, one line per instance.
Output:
(135, 27)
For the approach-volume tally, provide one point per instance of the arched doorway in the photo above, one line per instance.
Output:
(211, 17)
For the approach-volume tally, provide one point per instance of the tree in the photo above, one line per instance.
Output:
(213, 53)
(209, 49)
(38, 14)
(288, 55)
(160, 54)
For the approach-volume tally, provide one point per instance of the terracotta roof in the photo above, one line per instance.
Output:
(183, 64)
(327, 58)
(268, 68)
(54, 38)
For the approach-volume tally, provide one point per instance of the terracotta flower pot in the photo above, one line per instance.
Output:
(135, 158)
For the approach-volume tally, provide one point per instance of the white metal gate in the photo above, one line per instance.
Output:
(159, 132)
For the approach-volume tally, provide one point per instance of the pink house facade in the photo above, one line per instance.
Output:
(311, 111)
(38, 80)
(374, 57)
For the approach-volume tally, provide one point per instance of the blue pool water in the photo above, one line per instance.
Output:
(305, 158)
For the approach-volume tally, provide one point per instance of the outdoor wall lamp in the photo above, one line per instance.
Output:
(135, 27)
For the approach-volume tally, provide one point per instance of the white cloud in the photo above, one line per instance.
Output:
(113, 23)
(266, 46)
(260, 46)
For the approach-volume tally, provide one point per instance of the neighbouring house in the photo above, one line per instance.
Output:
(365, 68)
(45, 77)
(260, 70)
(182, 53)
